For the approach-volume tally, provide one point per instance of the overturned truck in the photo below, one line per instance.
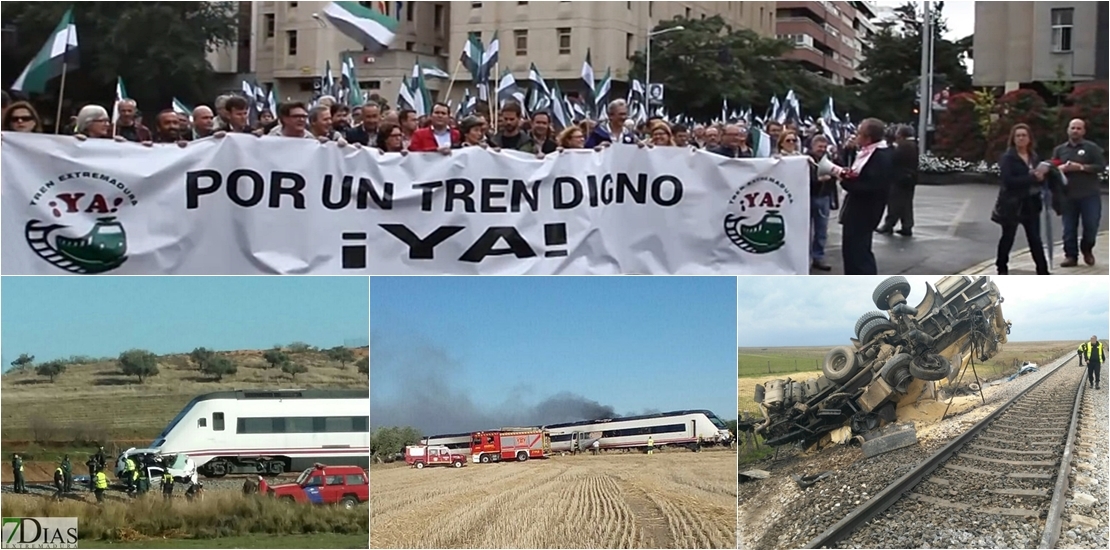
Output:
(896, 354)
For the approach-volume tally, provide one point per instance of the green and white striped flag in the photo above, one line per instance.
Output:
(371, 28)
(181, 109)
(121, 94)
(59, 51)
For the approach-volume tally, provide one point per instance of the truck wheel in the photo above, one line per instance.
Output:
(867, 318)
(484, 459)
(348, 502)
(419, 465)
(286, 499)
(896, 371)
(888, 289)
(840, 364)
(873, 328)
(931, 367)
(521, 456)
(457, 464)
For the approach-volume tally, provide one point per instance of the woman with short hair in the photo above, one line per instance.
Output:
(22, 117)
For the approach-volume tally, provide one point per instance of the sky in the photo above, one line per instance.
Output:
(959, 14)
(54, 317)
(463, 354)
(822, 311)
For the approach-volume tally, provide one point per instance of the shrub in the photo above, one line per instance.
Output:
(957, 134)
(1019, 107)
(1088, 102)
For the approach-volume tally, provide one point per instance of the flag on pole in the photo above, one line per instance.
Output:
(121, 94)
(60, 50)
(370, 28)
(506, 88)
(350, 81)
(181, 109)
(588, 78)
(490, 59)
(602, 92)
(471, 57)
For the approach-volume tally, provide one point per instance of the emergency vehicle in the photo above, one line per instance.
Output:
(419, 456)
(346, 486)
(519, 445)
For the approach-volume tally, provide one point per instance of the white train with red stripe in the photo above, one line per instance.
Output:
(676, 428)
(270, 432)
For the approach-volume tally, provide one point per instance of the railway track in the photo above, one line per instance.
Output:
(1002, 484)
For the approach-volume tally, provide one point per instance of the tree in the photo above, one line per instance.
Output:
(159, 48)
(364, 365)
(892, 65)
(51, 369)
(300, 347)
(293, 369)
(340, 354)
(23, 361)
(275, 357)
(385, 443)
(201, 356)
(138, 362)
(219, 367)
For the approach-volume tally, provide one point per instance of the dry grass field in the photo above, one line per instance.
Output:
(95, 402)
(672, 499)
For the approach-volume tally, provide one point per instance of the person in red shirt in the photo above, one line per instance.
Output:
(439, 136)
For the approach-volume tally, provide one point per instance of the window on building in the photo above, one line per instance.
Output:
(475, 5)
(687, 13)
(522, 3)
(291, 42)
(409, 46)
(651, 8)
(1062, 19)
(409, 7)
(271, 25)
(520, 39)
(438, 50)
(628, 46)
(564, 41)
(628, 5)
(293, 4)
(439, 17)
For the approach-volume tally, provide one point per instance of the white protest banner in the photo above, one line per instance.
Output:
(243, 205)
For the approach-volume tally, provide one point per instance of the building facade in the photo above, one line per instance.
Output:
(555, 36)
(828, 36)
(1020, 43)
(293, 44)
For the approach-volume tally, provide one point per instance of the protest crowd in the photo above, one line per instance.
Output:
(860, 172)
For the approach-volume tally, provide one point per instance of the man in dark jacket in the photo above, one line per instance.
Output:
(128, 127)
(1082, 162)
(822, 187)
(510, 135)
(900, 203)
(868, 189)
(366, 133)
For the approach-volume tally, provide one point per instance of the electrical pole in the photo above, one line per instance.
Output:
(925, 101)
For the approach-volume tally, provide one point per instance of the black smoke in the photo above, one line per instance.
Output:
(415, 383)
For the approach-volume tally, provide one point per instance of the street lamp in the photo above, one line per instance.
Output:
(925, 101)
(649, 37)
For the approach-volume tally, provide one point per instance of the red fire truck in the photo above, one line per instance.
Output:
(519, 445)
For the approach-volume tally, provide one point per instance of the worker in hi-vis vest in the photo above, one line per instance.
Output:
(651, 445)
(1094, 353)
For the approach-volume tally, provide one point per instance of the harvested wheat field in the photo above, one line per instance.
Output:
(673, 499)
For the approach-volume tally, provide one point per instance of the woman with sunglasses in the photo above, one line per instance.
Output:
(788, 144)
(21, 117)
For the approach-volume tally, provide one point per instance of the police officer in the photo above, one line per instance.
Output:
(59, 483)
(17, 473)
(130, 475)
(167, 484)
(1095, 354)
(100, 484)
(91, 465)
(101, 460)
(67, 473)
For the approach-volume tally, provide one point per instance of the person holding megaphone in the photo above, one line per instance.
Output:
(822, 189)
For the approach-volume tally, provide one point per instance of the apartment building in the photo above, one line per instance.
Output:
(828, 36)
(1019, 43)
(556, 35)
(293, 43)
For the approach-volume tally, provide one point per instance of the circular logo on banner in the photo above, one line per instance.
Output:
(82, 233)
(754, 221)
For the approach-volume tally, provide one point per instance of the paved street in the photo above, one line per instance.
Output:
(954, 234)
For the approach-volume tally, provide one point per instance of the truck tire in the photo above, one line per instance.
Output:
(484, 459)
(287, 499)
(457, 464)
(867, 318)
(896, 371)
(348, 502)
(874, 328)
(419, 465)
(760, 393)
(930, 367)
(521, 456)
(887, 289)
(841, 364)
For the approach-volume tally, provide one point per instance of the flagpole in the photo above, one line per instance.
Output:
(493, 91)
(454, 75)
(62, 89)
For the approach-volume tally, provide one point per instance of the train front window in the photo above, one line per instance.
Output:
(717, 422)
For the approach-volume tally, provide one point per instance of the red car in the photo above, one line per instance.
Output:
(419, 456)
(346, 486)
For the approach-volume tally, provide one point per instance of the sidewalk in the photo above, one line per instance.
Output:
(1021, 262)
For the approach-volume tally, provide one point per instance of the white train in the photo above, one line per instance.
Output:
(270, 432)
(677, 428)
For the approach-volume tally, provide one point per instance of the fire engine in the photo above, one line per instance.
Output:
(519, 445)
(419, 456)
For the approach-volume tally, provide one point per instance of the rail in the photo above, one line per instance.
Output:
(896, 491)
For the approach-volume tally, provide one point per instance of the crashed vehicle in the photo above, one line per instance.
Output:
(182, 467)
(892, 359)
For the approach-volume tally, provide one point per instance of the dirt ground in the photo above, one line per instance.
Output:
(673, 499)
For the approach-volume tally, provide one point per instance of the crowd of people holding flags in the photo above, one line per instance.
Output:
(874, 163)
